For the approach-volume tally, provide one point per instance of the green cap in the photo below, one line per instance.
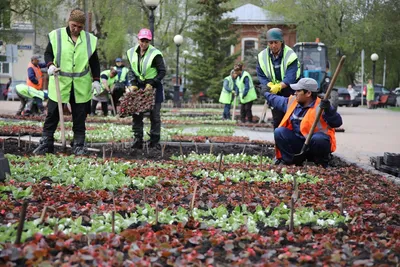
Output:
(274, 34)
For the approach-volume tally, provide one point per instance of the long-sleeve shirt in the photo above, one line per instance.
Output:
(226, 86)
(290, 74)
(93, 60)
(119, 71)
(32, 75)
(332, 118)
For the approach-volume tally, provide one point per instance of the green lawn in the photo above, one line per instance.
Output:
(394, 109)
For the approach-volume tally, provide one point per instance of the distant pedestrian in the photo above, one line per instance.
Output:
(370, 94)
(352, 93)
(108, 77)
(228, 94)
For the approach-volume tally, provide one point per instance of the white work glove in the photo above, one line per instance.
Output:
(52, 69)
(96, 87)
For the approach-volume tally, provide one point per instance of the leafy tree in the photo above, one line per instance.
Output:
(212, 37)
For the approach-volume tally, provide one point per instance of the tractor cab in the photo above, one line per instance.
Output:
(313, 57)
(314, 63)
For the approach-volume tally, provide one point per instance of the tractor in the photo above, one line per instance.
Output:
(314, 63)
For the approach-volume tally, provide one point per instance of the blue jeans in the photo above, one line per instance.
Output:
(289, 144)
(227, 113)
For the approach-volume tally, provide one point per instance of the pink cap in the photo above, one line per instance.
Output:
(145, 34)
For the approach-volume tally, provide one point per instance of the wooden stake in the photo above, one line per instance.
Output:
(104, 153)
(193, 197)
(293, 200)
(181, 150)
(19, 140)
(211, 148)
(195, 146)
(162, 150)
(242, 192)
(21, 222)
(29, 146)
(220, 162)
(156, 211)
(147, 147)
(261, 157)
(113, 222)
(43, 214)
(244, 148)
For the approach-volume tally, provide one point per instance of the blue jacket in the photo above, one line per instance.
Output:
(332, 118)
(290, 75)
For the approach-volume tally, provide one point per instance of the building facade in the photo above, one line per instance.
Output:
(251, 21)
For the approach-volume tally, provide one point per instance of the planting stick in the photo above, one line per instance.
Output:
(261, 157)
(180, 149)
(195, 146)
(21, 222)
(19, 140)
(43, 214)
(113, 222)
(25, 146)
(147, 148)
(60, 111)
(29, 146)
(144, 195)
(156, 211)
(242, 192)
(194, 197)
(244, 148)
(111, 152)
(220, 162)
(162, 150)
(211, 148)
(293, 200)
(104, 153)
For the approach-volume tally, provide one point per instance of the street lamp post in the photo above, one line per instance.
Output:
(152, 5)
(178, 40)
(185, 54)
(374, 58)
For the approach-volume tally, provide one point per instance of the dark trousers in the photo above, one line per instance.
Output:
(289, 144)
(245, 112)
(117, 93)
(79, 113)
(104, 107)
(227, 112)
(155, 120)
(277, 117)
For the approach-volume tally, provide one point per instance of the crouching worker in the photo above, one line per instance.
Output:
(28, 96)
(300, 112)
(108, 77)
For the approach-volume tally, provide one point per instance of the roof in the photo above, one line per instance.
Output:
(252, 14)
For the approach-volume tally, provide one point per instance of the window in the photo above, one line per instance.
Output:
(4, 67)
(248, 45)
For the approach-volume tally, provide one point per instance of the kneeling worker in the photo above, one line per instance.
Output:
(28, 95)
(300, 112)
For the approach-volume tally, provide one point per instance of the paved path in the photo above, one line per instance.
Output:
(367, 132)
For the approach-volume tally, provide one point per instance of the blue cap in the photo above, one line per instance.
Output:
(118, 59)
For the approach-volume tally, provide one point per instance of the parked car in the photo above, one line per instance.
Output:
(344, 98)
(12, 93)
(379, 90)
(397, 91)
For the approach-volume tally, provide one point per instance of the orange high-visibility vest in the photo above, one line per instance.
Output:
(307, 122)
(38, 75)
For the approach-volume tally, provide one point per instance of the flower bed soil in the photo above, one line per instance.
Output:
(370, 238)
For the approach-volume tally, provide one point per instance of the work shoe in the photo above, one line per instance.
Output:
(46, 145)
(153, 144)
(78, 145)
(137, 143)
(18, 113)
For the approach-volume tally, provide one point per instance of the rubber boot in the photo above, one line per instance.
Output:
(78, 145)
(46, 145)
(138, 142)
(154, 140)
